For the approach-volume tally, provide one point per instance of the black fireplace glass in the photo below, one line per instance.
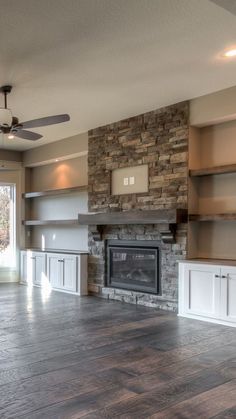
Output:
(133, 265)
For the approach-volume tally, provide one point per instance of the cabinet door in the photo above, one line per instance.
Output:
(202, 290)
(23, 267)
(69, 272)
(228, 294)
(39, 267)
(27, 267)
(54, 270)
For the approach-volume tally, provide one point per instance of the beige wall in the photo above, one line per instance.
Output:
(64, 149)
(213, 108)
(140, 179)
(63, 174)
(212, 145)
(217, 240)
(10, 155)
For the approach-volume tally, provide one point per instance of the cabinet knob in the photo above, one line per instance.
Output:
(223, 276)
(217, 276)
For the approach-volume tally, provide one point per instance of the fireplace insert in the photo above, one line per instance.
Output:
(134, 265)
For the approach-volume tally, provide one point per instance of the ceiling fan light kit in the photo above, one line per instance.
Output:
(10, 125)
(5, 118)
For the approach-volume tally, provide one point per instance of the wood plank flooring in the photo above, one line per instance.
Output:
(67, 357)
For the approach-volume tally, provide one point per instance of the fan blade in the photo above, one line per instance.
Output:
(27, 135)
(48, 120)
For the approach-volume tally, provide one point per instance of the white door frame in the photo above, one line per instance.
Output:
(13, 173)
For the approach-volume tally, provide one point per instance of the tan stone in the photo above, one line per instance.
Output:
(179, 157)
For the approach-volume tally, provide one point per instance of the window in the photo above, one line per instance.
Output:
(7, 226)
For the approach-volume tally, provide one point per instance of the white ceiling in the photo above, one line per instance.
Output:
(104, 60)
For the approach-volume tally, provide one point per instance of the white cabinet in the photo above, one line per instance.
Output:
(62, 271)
(33, 267)
(228, 294)
(207, 292)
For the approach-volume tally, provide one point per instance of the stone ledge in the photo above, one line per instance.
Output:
(134, 297)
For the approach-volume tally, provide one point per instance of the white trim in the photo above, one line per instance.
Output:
(207, 319)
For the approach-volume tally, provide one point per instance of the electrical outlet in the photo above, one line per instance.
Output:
(131, 180)
(126, 181)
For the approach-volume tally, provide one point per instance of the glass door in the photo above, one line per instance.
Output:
(7, 226)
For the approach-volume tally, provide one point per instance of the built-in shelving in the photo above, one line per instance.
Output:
(211, 191)
(217, 170)
(213, 217)
(51, 192)
(49, 222)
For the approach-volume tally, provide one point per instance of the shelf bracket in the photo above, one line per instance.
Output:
(168, 236)
(97, 232)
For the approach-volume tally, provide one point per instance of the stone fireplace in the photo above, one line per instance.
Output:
(133, 265)
(160, 140)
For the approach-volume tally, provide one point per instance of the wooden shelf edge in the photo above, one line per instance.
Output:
(212, 217)
(165, 216)
(49, 222)
(51, 192)
(217, 170)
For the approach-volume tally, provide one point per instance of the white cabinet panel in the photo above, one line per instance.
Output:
(39, 267)
(23, 267)
(202, 290)
(69, 274)
(208, 292)
(228, 293)
(33, 267)
(54, 270)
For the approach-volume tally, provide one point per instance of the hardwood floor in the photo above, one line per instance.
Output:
(67, 357)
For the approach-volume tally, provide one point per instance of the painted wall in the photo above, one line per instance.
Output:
(9, 155)
(213, 108)
(70, 147)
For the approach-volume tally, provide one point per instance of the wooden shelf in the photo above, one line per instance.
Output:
(213, 217)
(167, 216)
(49, 222)
(217, 170)
(51, 192)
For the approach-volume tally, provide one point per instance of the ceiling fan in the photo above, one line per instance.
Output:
(10, 125)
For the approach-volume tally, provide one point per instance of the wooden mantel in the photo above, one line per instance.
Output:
(172, 217)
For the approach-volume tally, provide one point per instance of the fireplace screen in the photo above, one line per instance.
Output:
(133, 265)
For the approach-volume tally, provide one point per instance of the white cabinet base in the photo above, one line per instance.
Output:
(63, 272)
(207, 292)
(207, 319)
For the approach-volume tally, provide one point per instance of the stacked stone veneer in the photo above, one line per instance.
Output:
(159, 139)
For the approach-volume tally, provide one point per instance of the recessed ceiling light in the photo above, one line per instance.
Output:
(56, 160)
(230, 53)
(11, 136)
